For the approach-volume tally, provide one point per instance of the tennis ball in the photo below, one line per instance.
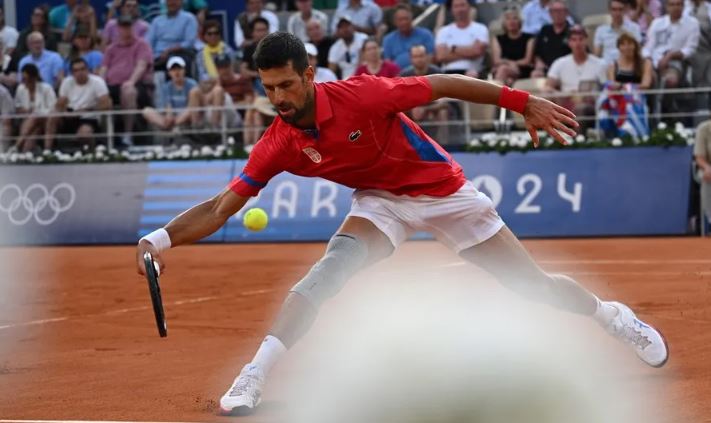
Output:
(255, 219)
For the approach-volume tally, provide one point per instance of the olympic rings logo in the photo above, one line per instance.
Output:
(37, 202)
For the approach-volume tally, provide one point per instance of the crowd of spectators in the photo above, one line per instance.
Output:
(179, 65)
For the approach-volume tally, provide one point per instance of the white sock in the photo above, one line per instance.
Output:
(604, 313)
(268, 353)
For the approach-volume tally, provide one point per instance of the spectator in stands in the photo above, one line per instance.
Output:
(8, 34)
(372, 62)
(83, 46)
(643, 12)
(420, 63)
(7, 108)
(605, 43)
(365, 16)
(343, 55)
(535, 16)
(214, 46)
(194, 7)
(317, 37)
(243, 23)
(127, 68)
(111, 30)
(701, 60)
(298, 20)
(462, 45)
(389, 15)
(260, 29)
(80, 92)
(630, 67)
(173, 34)
(436, 111)
(173, 100)
(33, 97)
(512, 51)
(81, 17)
(552, 40)
(49, 63)
(215, 96)
(39, 22)
(321, 74)
(577, 71)
(569, 71)
(8, 70)
(702, 158)
(671, 40)
(622, 108)
(396, 45)
(236, 85)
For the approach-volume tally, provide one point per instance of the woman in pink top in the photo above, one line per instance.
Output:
(373, 63)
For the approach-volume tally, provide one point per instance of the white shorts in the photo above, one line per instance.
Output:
(461, 220)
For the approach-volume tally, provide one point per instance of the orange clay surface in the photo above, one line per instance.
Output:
(78, 339)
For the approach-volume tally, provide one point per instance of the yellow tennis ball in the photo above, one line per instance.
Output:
(255, 219)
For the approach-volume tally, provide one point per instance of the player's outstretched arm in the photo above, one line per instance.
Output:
(538, 113)
(192, 225)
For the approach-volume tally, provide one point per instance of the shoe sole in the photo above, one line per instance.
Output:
(242, 410)
(666, 346)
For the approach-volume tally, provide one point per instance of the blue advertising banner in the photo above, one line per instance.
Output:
(607, 192)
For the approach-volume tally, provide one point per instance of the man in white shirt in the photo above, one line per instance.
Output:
(81, 92)
(569, 71)
(321, 74)
(254, 8)
(365, 16)
(605, 43)
(344, 53)
(298, 20)
(671, 40)
(462, 45)
(577, 71)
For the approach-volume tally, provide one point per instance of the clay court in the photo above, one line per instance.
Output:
(78, 340)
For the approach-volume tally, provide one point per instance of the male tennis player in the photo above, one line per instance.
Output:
(354, 133)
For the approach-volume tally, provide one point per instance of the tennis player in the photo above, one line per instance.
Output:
(354, 132)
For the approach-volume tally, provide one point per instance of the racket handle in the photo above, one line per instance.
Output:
(157, 267)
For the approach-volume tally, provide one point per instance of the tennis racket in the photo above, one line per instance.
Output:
(152, 272)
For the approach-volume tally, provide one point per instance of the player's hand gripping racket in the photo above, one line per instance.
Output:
(152, 272)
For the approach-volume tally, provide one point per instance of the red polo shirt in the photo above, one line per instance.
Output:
(362, 140)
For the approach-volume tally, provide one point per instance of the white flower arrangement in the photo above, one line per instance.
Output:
(515, 141)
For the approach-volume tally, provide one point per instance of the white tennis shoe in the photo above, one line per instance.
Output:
(245, 394)
(649, 344)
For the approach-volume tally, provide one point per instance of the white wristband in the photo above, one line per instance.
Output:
(159, 238)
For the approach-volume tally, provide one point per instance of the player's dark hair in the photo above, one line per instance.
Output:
(277, 49)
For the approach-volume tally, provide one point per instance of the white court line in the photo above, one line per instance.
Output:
(80, 421)
(640, 262)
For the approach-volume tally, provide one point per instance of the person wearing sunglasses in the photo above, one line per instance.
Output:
(214, 46)
(111, 30)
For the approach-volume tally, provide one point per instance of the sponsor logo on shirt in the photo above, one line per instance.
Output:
(314, 155)
(354, 135)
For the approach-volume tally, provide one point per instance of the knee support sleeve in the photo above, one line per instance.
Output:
(345, 255)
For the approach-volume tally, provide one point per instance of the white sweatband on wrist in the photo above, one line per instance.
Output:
(159, 238)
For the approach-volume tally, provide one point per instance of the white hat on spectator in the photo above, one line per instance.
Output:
(175, 60)
(311, 49)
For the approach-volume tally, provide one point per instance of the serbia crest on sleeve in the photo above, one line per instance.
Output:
(314, 155)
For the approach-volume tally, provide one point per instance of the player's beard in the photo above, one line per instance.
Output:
(299, 113)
